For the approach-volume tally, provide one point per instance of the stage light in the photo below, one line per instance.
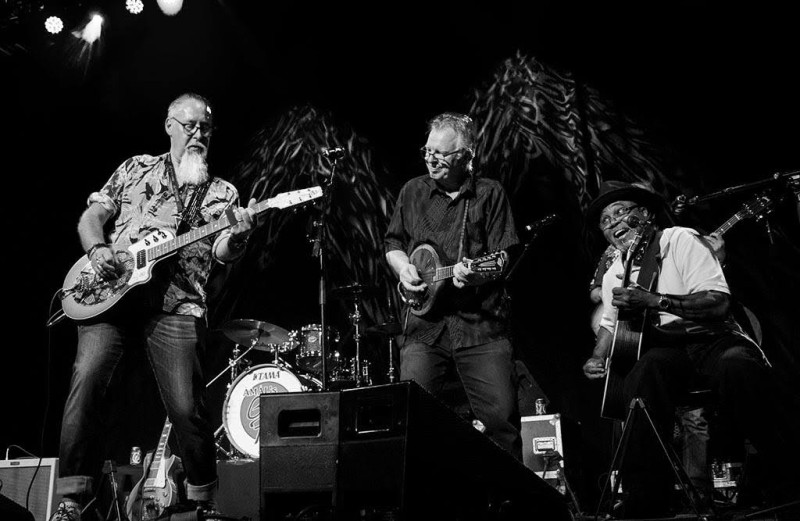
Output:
(134, 6)
(91, 32)
(54, 25)
(170, 7)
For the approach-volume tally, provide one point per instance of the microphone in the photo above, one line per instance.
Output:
(632, 221)
(333, 153)
(541, 223)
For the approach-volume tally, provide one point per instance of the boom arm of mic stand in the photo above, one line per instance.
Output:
(740, 188)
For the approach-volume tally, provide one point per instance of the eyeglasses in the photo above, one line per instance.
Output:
(606, 221)
(438, 156)
(191, 127)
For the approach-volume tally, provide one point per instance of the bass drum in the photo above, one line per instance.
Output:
(240, 414)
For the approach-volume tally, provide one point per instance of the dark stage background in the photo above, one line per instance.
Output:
(716, 87)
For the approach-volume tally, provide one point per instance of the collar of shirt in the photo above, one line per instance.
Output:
(467, 187)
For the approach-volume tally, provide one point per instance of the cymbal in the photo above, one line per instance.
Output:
(262, 335)
(387, 328)
(353, 290)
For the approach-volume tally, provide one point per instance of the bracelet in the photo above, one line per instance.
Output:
(94, 248)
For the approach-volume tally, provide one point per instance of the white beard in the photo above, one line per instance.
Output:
(192, 169)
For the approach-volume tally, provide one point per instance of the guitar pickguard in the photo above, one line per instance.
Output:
(91, 290)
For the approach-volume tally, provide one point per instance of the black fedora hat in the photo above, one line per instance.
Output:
(611, 191)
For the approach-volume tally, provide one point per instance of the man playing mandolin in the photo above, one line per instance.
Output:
(457, 320)
(171, 192)
(666, 322)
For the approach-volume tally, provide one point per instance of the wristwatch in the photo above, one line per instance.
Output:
(663, 302)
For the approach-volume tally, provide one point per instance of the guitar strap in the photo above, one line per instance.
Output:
(463, 232)
(650, 262)
(189, 212)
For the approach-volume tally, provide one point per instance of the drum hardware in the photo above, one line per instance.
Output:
(390, 330)
(309, 342)
(355, 292)
(262, 336)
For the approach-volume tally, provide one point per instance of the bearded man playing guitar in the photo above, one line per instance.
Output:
(167, 316)
(667, 287)
(446, 242)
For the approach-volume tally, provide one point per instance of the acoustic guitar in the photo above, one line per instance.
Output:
(158, 487)
(626, 346)
(85, 295)
(435, 275)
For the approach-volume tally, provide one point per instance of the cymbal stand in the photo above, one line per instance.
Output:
(391, 373)
(355, 317)
(234, 363)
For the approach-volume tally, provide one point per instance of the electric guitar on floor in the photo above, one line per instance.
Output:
(431, 271)
(85, 295)
(158, 487)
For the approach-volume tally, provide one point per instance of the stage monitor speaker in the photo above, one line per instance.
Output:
(403, 453)
(298, 447)
(16, 476)
(238, 493)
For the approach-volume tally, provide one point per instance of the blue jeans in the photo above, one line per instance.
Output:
(172, 344)
(487, 373)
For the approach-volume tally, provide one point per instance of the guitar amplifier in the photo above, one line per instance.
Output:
(16, 476)
(542, 448)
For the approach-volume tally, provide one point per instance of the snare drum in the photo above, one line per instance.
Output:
(309, 355)
(240, 415)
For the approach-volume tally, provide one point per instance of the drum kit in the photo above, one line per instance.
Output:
(240, 414)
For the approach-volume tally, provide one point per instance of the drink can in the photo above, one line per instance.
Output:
(540, 406)
(136, 455)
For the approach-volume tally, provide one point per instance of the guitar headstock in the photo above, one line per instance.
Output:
(489, 263)
(757, 207)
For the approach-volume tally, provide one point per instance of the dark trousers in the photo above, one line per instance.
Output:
(487, 373)
(172, 344)
(746, 401)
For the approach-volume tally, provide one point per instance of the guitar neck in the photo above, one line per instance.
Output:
(727, 225)
(445, 272)
(283, 200)
(197, 234)
(158, 457)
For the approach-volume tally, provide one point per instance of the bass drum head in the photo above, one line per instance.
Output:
(240, 414)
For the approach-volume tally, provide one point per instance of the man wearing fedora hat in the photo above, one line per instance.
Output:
(680, 286)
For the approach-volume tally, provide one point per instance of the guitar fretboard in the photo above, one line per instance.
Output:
(443, 273)
(727, 225)
(158, 457)
(229, 219)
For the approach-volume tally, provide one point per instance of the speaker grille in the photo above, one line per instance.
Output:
(16, 475)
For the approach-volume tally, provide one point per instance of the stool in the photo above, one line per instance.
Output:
(636, 407)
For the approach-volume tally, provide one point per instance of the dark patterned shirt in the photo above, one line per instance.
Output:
(138, 195)
(424, 213)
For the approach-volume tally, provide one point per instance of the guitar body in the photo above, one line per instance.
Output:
(625, 352)
(427, 261)
(146, 503)
(88, 295)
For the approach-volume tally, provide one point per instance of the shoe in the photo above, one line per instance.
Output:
(68, 510)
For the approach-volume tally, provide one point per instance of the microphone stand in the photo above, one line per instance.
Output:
(788, 178)
(319, 252)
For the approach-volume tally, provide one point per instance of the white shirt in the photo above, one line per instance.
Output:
(687, 266)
